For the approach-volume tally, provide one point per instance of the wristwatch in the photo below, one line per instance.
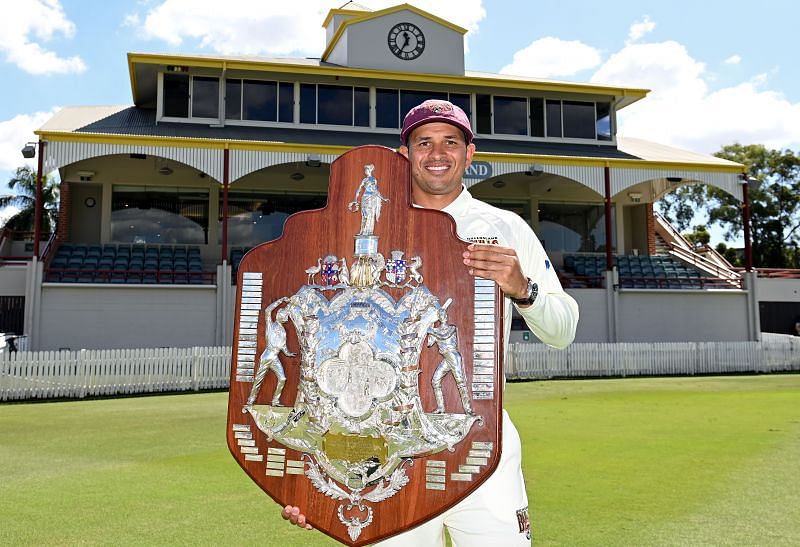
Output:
(530, 295)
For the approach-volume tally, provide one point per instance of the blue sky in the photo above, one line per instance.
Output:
(719, 71)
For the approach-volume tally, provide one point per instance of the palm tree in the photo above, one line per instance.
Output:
(24, 184)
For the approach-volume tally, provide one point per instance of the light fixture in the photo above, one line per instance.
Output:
(534, 170)
(85, 176)
(297, 176)
(674, 179)
(313, 160)
(166, 170)
(499, 184)
(29, 150)
(636, 197)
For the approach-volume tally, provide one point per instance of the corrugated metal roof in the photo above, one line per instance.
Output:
(652, 151)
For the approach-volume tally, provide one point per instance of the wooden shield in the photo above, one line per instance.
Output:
(367, 367)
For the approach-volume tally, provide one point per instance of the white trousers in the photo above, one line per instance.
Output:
(494, 515)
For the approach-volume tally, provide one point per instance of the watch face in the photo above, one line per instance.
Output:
(406, 41)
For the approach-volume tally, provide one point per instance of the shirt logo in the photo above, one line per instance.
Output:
(484, 240)
(524, 522)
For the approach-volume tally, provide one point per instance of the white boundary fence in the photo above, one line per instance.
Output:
(87, 373)
(69, 374)
(775, 353)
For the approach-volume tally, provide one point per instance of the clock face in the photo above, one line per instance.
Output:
(406, 41)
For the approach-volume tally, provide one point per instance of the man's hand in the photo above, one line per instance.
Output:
(500, 264)
(293, 515)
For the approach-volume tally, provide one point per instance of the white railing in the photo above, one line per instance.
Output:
(90, 373)
(775, 353)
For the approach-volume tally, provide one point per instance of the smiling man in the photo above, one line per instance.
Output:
(437, 140)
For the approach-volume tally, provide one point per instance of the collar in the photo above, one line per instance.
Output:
(459, 207)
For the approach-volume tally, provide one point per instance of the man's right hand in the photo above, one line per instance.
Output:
(293, 515)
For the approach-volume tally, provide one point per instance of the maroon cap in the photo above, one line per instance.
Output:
(434, 110)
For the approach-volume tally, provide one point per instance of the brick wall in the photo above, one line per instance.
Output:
(651, 230)
(63, 214)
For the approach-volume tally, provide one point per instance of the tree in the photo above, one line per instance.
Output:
(24, 184)
(774, 194)
(699, 237)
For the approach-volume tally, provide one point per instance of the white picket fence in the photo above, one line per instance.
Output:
(89, 373)
(775, 353)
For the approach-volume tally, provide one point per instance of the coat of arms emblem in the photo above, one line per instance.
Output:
(358, 387)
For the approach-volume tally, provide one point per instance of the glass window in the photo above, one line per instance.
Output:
(537, 117)
(361, 107)
(462, 101)
(604, 122)
(158, 214)
(483, 104)
(410, 99)
(256, 217)
(205, 97)
(510, 116)
(574, 227)
(554, 119)
(259, 100)
(176, 95)
(233, 99)
(286, 102)
(308, 103)
(579, 120)
(334, 104)
(387, 108)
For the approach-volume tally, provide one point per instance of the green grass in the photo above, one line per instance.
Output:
(675, 461)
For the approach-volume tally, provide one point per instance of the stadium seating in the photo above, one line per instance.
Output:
(128, 264)
(635, 271)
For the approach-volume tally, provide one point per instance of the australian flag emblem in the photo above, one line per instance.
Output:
(329, 271)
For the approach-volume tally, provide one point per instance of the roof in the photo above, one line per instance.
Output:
(655, 152)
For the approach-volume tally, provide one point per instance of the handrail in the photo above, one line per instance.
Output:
(705, 264)
(107, 275)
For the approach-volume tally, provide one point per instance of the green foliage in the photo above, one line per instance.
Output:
(24, 184)
(664, 461)
(699, 237)
(774, 204)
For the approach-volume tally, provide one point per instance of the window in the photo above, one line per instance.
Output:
(554, 119)
(256, 217)
(361, 107)
(158, 214)
(334, 105)
(286, 102)
(579, 120)
(604, 122)
(574, 227)
(308, 103)
(205, 97)
(483, 104)
(462, 101)
(410, 99)
(233, 99)
(176, 95)
(387, 108)
(537, 117)
(259, 100)
(510, 116)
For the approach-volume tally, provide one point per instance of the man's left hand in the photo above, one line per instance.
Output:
(500, 264)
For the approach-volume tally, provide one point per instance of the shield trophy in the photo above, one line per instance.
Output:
(366, 376)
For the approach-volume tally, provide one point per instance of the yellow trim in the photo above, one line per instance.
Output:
(220, 144)
(360, 73)
(388, 11)
(334, 12)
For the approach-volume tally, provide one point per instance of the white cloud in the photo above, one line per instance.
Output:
(255, 27)
(683, 111)
(24, 25)
(14, 133)
(552, 57)
(640, 28)
(733, 60)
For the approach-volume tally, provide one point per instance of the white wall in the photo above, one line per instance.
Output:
(109, 317)
(12, 279)
(778, 290)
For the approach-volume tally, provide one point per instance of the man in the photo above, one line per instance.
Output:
(437, 140)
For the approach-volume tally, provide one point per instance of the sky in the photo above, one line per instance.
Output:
(719, 71)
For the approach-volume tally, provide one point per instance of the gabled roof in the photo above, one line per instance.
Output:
(366, 16)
